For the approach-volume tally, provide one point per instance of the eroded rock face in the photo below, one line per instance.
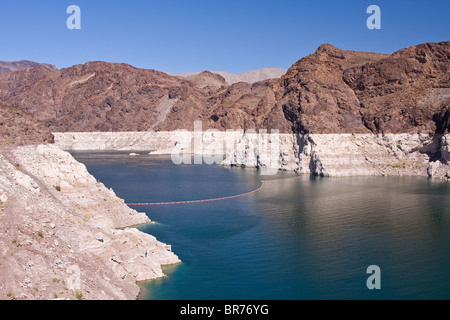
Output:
(337, 155)
(442, 119)
(406, 92)
(316, 98)
(445, 148)
(101, 96)
(338, 91)
(59, 236)
(317, 154)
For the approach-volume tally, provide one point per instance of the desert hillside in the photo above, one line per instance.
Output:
(337, 91)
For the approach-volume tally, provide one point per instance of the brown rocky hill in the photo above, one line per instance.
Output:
(99, 96)
(18, 127)
(330, 91)
(207, 80)
(249, 106)
(337, 91)
(316, 98)
(407, 91)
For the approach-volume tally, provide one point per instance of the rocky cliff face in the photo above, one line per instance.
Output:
(316, 98)
(408, 91)
(328, 155)
(337, 91)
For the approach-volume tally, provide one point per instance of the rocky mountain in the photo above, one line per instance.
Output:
(330, 91)
(316, 98)
(18, 127)
(16, 65)
(249, 77)
(252, 76)
(407, 91)
(208, 80)
(99, 96)
(337, 91)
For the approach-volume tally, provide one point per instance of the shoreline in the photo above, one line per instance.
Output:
(328, 155)
(65, 235)
(74, 223)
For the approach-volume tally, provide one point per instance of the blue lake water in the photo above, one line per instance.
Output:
(304, 238)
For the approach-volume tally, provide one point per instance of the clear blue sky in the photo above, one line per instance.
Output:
(222, 35)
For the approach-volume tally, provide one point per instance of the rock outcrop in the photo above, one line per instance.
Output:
(208, 81)
(315, 97)
(407, 92)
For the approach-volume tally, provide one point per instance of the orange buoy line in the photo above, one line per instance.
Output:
(207, 200)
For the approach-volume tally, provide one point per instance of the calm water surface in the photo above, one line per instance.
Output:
(306, 238)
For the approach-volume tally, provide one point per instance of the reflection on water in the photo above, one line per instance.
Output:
(306, 238)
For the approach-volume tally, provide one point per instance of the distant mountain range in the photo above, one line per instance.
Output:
(249, 77)
(16, 65)
(330, 91)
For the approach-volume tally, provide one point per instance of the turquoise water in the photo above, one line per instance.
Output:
(305, 238)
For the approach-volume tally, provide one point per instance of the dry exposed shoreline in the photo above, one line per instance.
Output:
(331, 155)
(65, 235)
